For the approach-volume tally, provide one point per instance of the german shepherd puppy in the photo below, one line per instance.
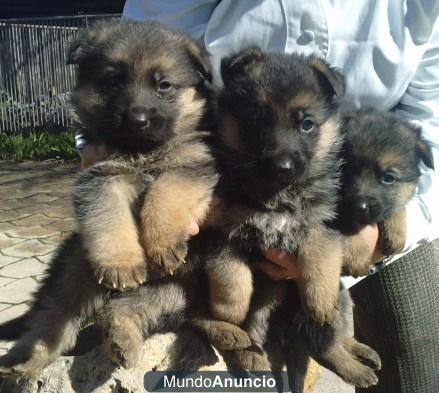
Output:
(141, 89)
(381, 156)
(280, 169)
(280, 176)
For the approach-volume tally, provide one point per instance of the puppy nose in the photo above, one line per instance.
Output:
(139, 116)
(283, 163)
(361, 206)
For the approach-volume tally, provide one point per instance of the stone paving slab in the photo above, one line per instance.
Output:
(6, 241)
(18, 292)
(35, 215)
(12, 312)
(27, 249)
(29, 267)
(45, 258)
(6, 260)
(4, 281)
(19, 233)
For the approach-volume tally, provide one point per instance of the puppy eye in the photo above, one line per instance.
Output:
(388, 178)
(307, 124)
(164, 86)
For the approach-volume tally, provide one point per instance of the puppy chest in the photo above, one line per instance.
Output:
(271, 230)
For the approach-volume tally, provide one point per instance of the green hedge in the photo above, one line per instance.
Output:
(37, 146)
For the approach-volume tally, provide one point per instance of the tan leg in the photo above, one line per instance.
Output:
(230, 285)
(133, 316)
(320, 259)
(223, 335)
(174, 201)
(110, 235)
(50, 335)
(123, 338)
(354, 362)
(393, 232)
(356, 259)
(248, 359)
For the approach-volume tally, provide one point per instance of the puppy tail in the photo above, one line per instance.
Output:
(13, 329)
(297, 364)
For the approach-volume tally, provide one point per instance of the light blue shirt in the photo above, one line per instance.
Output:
(387, 49)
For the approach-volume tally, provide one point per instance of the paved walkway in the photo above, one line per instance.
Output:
(35, 215)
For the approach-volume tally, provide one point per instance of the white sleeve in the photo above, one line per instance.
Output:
(420, 105)
(190, 16)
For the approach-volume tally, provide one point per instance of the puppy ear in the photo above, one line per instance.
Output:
(240, 63)
(331, 79)
(423, 150)
(81, 47)
(199, 58)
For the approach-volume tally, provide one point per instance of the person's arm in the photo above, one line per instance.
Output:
(190, 16)
(420, 105)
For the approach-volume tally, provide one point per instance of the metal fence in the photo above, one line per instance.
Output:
(34, 78)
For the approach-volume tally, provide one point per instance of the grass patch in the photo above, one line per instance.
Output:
(37, 146)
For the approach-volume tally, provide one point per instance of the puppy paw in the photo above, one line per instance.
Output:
(11, 367)
(6, 371)
(123, 343)
(249, 359)
(393, 244)
(124, 353)
(360, 375)
(354, 362)
(168, 258)
(356, 259)
(363, 353)
(123, 274)
(320, 307)
(357, 268)
(227, 337)
(393, 233)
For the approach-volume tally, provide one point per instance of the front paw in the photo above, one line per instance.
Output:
(249, 359)
(7, 372)
(16, 367)
(352, 361)
(393, 234)
(393, 243)
(122, 275)
(358, 266)
(226, 336)
(359, 369)
(320, 306)
(167, 258)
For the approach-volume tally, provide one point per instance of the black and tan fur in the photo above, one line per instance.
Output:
(280, 176)
(381, 156)
(280, 168)
(133, 316)
(141, 90)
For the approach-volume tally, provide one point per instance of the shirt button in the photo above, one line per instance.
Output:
(306, 37)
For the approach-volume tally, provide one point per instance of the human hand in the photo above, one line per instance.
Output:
(92, 153)
(279, 265)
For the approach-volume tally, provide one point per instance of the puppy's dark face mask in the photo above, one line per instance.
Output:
(136, 82)
(279, 114)
(381, 170)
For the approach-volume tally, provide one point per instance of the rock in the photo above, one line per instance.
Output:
(92, 372)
